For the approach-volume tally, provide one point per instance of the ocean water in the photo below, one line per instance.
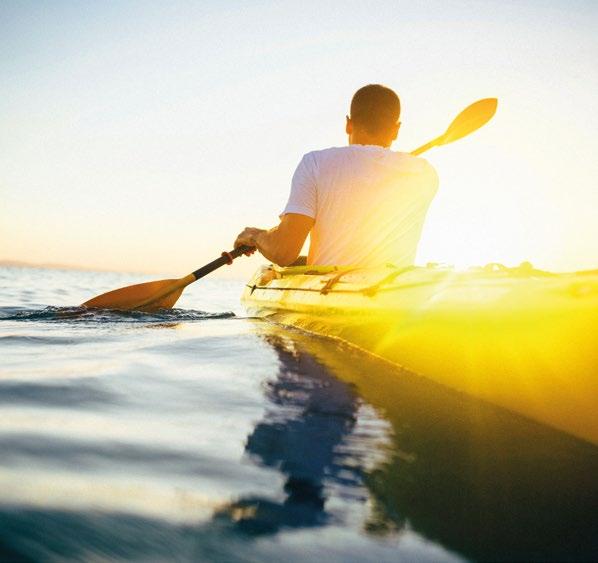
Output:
(200, 434)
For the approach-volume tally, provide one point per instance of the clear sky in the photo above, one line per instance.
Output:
(145, 135)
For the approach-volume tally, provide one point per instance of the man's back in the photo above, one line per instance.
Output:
(368, 204)
(362, 205)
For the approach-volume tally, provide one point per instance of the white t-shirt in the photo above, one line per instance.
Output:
(369, 204)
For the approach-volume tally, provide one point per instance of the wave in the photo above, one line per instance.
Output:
(59, 395)
(78, 314)
(16, 339)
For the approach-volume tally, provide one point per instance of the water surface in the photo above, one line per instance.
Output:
(199, 434)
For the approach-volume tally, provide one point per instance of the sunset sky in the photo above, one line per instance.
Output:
(142, 136)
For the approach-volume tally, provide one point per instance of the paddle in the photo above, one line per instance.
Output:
(163, 294)
(468, 121)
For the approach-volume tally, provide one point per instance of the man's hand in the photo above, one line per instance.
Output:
(280, 244)
(248, 237)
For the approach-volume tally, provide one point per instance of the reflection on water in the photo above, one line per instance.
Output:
(482, 482)
(311, 415)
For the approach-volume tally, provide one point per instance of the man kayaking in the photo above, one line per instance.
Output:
(363, 204)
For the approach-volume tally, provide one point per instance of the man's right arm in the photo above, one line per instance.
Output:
(281, 244)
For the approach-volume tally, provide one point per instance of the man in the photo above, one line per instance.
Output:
(362, 204)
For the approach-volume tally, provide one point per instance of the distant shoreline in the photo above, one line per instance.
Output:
(6, 263)
(51, 266)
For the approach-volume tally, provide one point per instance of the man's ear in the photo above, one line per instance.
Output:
(349, 126)
(395, 130)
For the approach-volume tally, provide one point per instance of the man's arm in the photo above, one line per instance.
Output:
(281, 244)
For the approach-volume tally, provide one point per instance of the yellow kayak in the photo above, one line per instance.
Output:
(520, 338)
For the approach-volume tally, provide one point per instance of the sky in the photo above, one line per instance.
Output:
(143, 136)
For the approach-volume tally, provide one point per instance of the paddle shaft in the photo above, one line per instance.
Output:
(219, 262)
(426, 147)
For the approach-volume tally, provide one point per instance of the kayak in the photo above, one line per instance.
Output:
(519, 338)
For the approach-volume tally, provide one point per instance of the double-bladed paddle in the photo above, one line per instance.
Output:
(163, 294)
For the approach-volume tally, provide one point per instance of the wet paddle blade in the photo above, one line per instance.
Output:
(163, 294)
(149, 296)
(167, 302)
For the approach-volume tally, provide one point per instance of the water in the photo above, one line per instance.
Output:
(201, 435)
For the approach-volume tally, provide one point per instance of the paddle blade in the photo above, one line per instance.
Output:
(149, 296)
(469, 120)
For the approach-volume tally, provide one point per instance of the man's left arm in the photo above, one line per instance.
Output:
(281, 244)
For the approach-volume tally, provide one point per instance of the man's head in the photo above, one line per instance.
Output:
(374, 119)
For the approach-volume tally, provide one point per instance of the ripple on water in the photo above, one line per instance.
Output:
(78, 394)
(66, 314)
(27, 340)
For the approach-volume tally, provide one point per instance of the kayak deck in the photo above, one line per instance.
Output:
(519, 338)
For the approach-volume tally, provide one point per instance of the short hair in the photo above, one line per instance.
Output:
(375, 108)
